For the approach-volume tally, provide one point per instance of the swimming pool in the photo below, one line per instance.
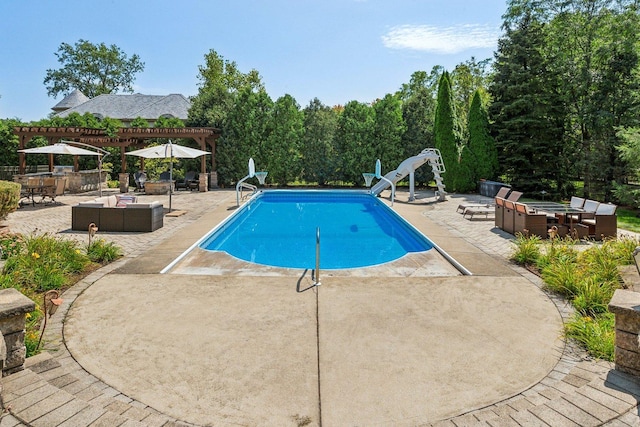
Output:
(278, 228)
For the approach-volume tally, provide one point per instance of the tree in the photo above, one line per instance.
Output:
(92, 69)
(282, 147)
(481, 145)
(418, 109)
(220, 82)
(354, 141)
(466, 79)
(319, 162)
(526, 111)
(247, 127)
(388, 129)
(447, 138)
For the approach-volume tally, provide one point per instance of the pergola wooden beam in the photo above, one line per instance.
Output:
(125, 137)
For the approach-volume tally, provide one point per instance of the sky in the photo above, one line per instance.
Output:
(334, 50)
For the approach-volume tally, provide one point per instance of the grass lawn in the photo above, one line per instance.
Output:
(628, 219)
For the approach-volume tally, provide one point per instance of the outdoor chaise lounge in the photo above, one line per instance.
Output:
(490, 207)
(501, 193)
(190, 182)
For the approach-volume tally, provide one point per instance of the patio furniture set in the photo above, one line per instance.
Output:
(117, 213)
(43, 187)
(581, 218)
(164, 183)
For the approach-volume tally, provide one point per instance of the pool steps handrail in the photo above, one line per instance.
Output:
(316, 275)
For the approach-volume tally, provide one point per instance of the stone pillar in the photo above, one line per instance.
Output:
(123, 178)
(625, 305)
(13, 310)
(213, 181)
(203, 180)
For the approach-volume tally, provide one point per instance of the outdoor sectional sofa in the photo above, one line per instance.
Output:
(117, 213)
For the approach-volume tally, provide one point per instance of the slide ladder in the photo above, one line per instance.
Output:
(408, 167)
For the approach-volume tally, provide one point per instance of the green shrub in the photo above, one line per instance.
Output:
(592, 296)
(9, 198)
(11, 244)
(527, 249)
(113, 183)
(558, 250)
(45, 262)
(562, 276)
(596, 334)
(103, 252)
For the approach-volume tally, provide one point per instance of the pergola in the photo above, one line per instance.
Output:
(125, 137)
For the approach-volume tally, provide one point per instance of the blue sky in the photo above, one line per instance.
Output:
(335, 50)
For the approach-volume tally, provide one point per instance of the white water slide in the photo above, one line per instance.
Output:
(408, 167)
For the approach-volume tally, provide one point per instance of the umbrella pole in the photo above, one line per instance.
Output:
(170, 173)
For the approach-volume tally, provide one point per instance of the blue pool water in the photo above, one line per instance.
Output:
(278, 228)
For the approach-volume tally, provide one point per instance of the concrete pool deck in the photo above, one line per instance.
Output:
(139, 348)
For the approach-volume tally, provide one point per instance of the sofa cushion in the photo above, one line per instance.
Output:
(91, 204)
(144, 205)
(124, 200)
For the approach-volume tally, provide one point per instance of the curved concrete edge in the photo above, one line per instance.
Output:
(245, 349)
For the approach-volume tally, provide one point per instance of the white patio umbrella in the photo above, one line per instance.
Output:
(166, 151)
(63, 148)
(60, 148)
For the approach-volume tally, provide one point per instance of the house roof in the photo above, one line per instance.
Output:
(74, 99)
(129, 107)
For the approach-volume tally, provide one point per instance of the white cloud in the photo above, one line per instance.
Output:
(445, 40)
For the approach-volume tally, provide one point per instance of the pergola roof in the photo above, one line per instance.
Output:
(125, 137)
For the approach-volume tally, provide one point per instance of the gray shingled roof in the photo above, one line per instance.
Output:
(129, 107)
(74, 99)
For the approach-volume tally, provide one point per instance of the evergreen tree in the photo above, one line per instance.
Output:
(481, 145)
(354, 142)
(282, 148)
(526, 127)
(446, 130)
(319, 162)
(246, 127)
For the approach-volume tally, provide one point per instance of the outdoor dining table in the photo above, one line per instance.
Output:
(31, 191)
(560, 211)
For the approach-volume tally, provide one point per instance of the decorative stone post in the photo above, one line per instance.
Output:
(13, 310)
(203, 182)
(123, 178)
(213, 181)
(626, 307)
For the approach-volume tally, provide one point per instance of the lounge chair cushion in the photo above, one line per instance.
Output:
(606, 209)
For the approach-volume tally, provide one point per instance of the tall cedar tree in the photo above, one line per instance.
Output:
(354, 141)
(446, 130)
(318, 151)
(524, 124)
(282, 147)
(481, 145)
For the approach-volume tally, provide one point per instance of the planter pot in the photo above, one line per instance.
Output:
(157, 187)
